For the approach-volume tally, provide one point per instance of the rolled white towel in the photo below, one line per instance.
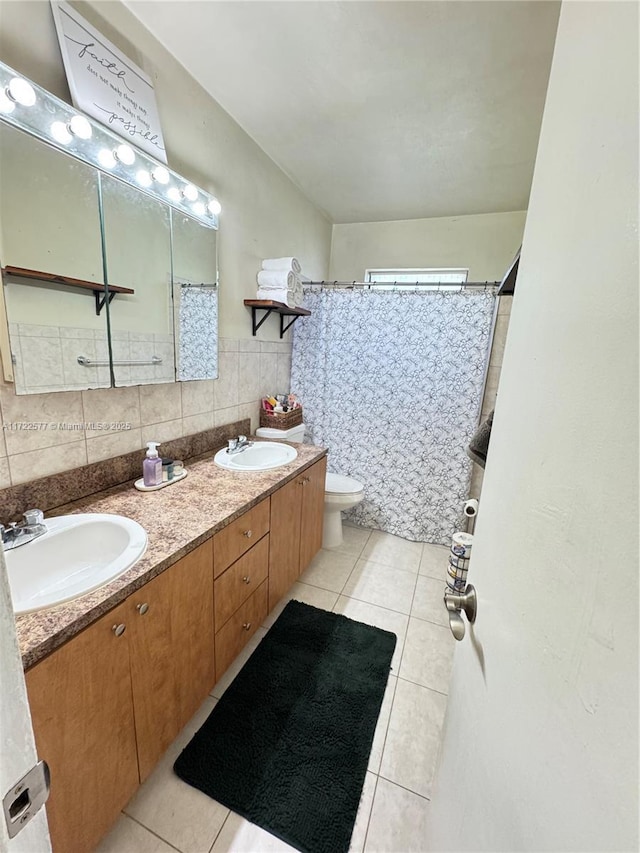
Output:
(298, 293)
(285, 296)
(282, 264)
(276, 280)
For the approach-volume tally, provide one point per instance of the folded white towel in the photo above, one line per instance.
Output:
(285, 296)
(281, 264)
(276, 279)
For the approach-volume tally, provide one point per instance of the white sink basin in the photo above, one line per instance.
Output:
(77, 554)
(261, 456)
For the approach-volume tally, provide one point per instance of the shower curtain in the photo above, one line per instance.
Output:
(391, 383)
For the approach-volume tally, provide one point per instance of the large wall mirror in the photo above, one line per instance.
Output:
(156, 320)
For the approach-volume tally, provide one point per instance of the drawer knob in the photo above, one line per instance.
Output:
(306, 479)
(142, 608)
(246, 579)
(246, 626)
(248, 534)
(119, 630)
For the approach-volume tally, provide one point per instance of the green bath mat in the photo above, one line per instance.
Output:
(288, 744)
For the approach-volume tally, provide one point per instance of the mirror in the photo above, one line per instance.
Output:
(161, 268)
(195, 289)
(50, 224)
(137, 235)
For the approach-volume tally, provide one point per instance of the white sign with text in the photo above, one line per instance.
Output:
(107, 85)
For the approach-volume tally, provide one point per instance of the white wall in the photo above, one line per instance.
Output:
(541, 740)
(485, 244)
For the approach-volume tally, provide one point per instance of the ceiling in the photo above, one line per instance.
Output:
(377, 110)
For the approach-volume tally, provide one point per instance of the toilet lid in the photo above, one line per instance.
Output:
(338, 484)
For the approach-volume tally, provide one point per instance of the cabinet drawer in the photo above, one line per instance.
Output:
(239, 536)
(235, 634)
(240, 581)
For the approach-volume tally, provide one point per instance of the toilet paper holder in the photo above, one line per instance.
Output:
(455, 603)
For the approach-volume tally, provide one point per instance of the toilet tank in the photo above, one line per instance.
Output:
(296, 433)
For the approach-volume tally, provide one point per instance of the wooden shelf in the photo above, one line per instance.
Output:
(269, 306)
(50, 278)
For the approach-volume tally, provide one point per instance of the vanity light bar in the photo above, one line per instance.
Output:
(31, 108)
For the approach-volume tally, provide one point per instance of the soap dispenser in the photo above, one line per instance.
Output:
(152, 465)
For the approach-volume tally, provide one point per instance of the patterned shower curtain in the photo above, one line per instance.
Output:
(391, 383)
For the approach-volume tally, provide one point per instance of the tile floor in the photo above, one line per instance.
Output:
(374, 578)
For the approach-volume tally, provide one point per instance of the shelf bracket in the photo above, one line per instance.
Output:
(101, 300)
(254, 317)
(284, 328)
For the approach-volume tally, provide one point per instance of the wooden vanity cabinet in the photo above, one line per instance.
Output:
(82, 711)
(107, 704)
(172, 653)
(297, 511)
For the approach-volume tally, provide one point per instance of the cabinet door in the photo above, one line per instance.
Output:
(312, 512)
(172, 657)
(284, 552)
(82, 711)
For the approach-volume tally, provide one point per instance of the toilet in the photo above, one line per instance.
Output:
(340, 492)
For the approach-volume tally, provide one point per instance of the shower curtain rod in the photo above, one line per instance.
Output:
(429, 284)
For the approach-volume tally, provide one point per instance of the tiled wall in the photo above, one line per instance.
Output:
(248, 369)
(493, 377)
(46, 357)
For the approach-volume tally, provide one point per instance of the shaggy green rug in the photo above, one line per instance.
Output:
(288, 744)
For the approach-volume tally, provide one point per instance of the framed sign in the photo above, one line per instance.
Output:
(105, 84)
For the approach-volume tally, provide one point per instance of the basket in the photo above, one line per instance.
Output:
(281, 420)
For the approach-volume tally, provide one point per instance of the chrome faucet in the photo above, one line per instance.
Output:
(237, 445)
(16, 534)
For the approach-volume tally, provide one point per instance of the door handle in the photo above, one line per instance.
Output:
(456, 602)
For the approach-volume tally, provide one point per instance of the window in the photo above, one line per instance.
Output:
(408, 278)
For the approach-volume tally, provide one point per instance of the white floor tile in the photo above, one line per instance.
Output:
(413, 737)
(178, 813)
(428, 655)
(398, 821)
(381, 584)
(428, 601)
(354, 540)
(434, 562)
(370, 614)
(329, 570)
(362, 818)
(313, 595)
(238, 663)
(393, 551)
(240, 836)
(127, 836)
(375, 756)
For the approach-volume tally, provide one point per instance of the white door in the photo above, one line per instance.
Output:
(540, 747)
(17, 747)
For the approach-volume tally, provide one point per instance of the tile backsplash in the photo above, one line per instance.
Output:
(44, 434)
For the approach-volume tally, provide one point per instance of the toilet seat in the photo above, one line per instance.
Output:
(339, 484)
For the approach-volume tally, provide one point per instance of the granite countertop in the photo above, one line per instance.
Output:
(177, 519)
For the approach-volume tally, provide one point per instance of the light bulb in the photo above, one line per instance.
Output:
(79, 126)
(214, 206)
(21, 92)
(106, 158)
(190, 192)
(161, 175)
(125, 154)
(143, 178)
(6, 104)
(199, 209)
(173, 194)
(60, 132)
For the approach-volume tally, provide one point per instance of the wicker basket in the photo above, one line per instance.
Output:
(280, 420)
